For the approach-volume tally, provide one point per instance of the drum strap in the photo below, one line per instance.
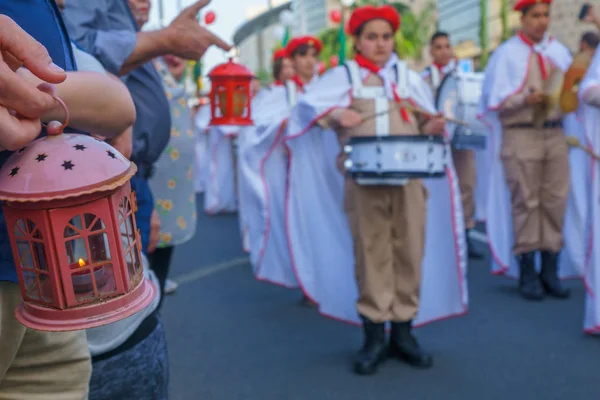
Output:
(377, 93)
(291, 92)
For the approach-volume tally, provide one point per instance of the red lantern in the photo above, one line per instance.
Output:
(335, 16)
(334, 60)
(210, 17)
(230, 94)
(69, 212)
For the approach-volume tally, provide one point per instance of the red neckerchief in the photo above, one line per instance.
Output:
(298, 82)
(541, 62)
(278, 82)
(370, 66)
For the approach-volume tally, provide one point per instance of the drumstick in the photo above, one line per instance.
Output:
(415, 110)
(574, 142)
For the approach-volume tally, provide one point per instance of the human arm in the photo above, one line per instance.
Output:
(85, 93)
(123, 50)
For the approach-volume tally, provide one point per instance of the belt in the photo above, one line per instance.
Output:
(549, 124)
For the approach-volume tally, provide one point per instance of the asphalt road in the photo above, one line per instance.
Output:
(233, 338)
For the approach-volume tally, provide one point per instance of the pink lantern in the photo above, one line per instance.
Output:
(210, 17)
(334, 60)
(335, 16)
(69, 211)
(230, 94)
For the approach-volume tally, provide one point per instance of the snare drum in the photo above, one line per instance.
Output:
(393, 160)
(458, 97)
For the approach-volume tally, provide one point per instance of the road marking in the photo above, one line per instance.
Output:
(479, 236)
(203, 272)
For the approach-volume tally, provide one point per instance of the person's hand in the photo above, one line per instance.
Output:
(349, 119)
(124, 142)
(535, 97)
(188, 39)
(22, 104)
(591, 16)
(435, 125)
(154, 231)
(340, 160)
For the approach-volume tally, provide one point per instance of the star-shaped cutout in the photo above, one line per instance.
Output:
(14, 171)
(79, 147)
(41, 157)
(111, 154)
(22, 150)
(68, 165)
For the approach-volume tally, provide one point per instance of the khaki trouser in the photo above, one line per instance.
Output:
(464, 164)
(388, 228)
(39, 365)
(536, 165)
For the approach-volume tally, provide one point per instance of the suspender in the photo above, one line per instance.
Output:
(378, 94)
(292, 92)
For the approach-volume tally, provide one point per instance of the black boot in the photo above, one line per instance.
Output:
(529, 284)
(404, 345)
(549, 276)
(374, 350)
(473, 253)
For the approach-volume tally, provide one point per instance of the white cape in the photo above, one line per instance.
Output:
(317, 225)
(220, 185)
(504, 76)
(263, 175)
(591, 276)
(201, 122)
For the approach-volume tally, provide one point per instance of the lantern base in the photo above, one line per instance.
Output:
(231, 121)
(40, 318)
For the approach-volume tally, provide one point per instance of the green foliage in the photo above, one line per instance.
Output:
(483, 33)
(264, 76)
(504, 10)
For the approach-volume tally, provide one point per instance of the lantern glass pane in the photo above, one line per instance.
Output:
(20, 228)
(137, 264)
(105, 279)
(46, 288)
(77, 253)
(240, 101)
(74, 227)
(31, 287)
(130, 265)
(25, 256)
(99, 247)
(89, 219)
(221, 102)
(39, 256)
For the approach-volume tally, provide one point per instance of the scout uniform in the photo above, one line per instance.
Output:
(464, 160)
(533, 154)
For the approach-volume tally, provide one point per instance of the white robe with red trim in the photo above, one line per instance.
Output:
(317, 224)
(263, 175)
(589, 90)
(201, 122)
(504, 76)
(220, 186)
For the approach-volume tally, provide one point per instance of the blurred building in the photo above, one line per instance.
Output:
(259, 34)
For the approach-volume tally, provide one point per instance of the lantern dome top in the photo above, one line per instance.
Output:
(230, 69)
(63, 166)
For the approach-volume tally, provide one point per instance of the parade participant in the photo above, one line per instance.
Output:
(589, 91)
(386, 223)
(266, 162)
(530, 164)
(464, 160)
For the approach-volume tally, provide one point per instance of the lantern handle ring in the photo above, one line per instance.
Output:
(55, 127)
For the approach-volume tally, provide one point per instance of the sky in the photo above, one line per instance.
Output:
(228, 19)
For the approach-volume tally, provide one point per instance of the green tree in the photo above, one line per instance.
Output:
(504, 11)
(263, 76)
(483, 33)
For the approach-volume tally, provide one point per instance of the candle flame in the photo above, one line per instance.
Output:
(81, 262)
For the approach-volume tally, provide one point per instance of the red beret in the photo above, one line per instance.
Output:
(521, 4)
(368, 13)
(299, 41)
(280, 53)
